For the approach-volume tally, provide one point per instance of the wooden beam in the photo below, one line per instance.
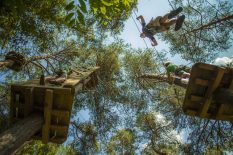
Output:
(204, 109)
(208, 96)
(60, 113)
(28, 106)
(214, 85)
(220, 110)
(206, 67)
(201, 82)
(231, 85)
(59, 128)
(16, 105)
(195, 98)
(225, 117)
(19, 133)
(47, 115)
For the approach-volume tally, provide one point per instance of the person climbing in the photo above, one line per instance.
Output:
(183, 72)
(161, 24)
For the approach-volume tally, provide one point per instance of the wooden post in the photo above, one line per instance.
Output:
(208, 95)
(47, 116)
(22, 131)
(28, 106)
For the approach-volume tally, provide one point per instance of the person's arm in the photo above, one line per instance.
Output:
(141, 19)
(153, 41)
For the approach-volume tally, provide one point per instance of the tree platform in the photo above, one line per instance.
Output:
(52, 101)
(210, 92)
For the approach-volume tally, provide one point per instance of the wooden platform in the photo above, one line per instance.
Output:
(52, 101)
(204, 84)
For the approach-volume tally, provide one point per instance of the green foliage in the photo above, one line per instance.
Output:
(122, 143)
(85, 138)
(30, 22)
(37, 148)
(108, 14)
(194, 42)
(141, 62)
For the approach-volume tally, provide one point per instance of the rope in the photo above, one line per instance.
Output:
(139, 31)
(154, 49)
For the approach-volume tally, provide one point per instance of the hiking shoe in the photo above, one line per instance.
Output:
(174, 13)
(179, 22)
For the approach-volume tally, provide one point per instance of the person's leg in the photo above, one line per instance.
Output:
(169, 23)
(179, 22)
(174, 13)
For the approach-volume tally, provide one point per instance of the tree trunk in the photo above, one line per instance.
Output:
(176, 81)
(212, 23)
(20, 132)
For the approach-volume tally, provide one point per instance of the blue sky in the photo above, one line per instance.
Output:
(149, 9)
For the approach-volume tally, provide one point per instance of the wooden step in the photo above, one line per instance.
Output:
(201, 82)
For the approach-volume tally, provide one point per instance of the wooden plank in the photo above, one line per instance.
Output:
(56, 89)
(204, 108)
(216, 82)
(69, 101)
(231, 85)
(61, 113)
(71, 82)
(47, 115)
(195, 98)
(59, 128)
(201, 82)
(225, 117)
(12, 105)
(195, 113)
(28, 106)
(213, 86)
(17, 105)
(220, 110)
(206, 66)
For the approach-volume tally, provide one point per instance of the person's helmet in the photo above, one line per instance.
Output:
(142, 35)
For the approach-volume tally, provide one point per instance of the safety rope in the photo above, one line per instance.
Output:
(154, 49)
